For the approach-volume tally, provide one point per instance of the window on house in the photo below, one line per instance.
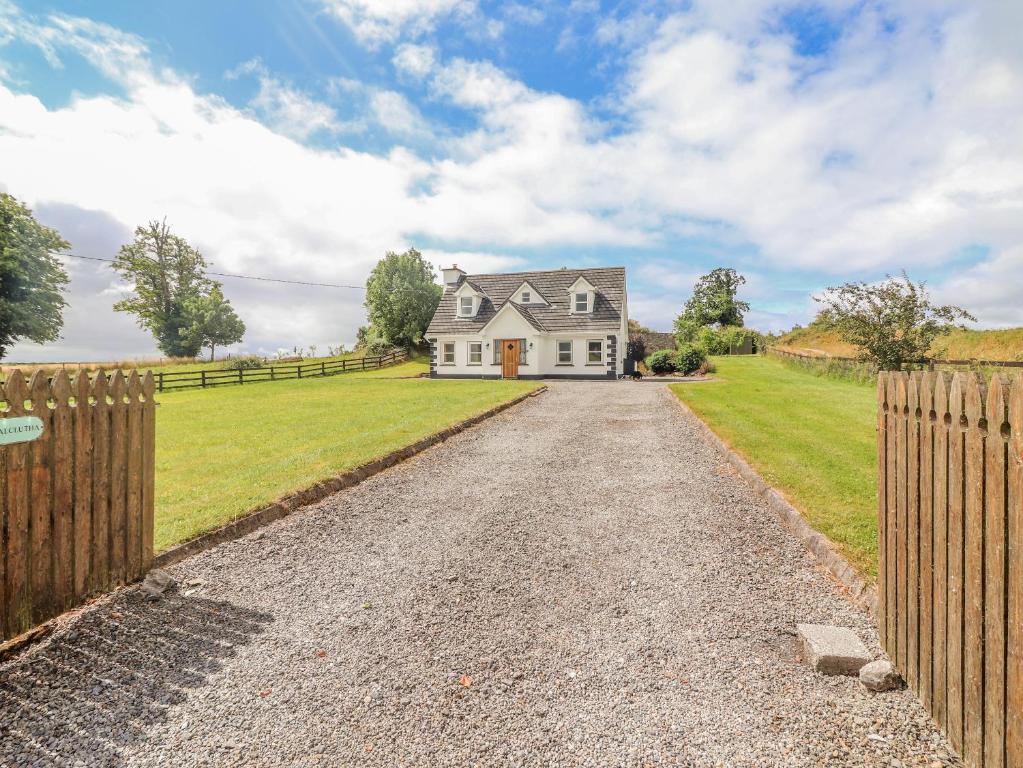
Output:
(522, 351)
(581, 302)
(524, 298)
(465, 305)
(475, 353)
(564, 353)
(448, 353)
(594, 351)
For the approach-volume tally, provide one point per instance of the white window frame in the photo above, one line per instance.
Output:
(444, 352)
(525, 297)
(571, 346)
(478, 353)
(461, 306)
(586, 302)
(600, 352)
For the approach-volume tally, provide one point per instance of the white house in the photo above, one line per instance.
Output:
(565, 323)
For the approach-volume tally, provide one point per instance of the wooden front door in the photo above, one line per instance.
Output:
(510, 358)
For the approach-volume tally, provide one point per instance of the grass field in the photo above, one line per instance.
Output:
(221, 452)
(1006, 344)
(812, 438)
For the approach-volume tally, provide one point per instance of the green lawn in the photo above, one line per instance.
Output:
(222, 452)
(810, 437)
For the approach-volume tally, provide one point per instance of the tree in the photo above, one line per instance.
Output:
(32, 279)
(166, 273)
(891, 322)
(211, 321)
(713, 301)
(636, 327)
(401, 297)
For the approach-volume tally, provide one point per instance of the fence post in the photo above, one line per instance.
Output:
(241, 376)
(202, 374)
(271, 373)
(323, 368)
(160, 380)
(299, 369)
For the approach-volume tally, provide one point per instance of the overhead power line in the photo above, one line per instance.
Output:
(242, 277)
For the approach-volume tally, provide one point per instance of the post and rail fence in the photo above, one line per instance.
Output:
(167, 381)
(950, 584)
(77, 497)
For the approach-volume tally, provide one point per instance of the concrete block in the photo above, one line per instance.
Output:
(832, 650)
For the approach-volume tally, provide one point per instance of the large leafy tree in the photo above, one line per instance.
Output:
(890, 323)
(166, 273)
(714, 300)
(32, 278)
(211, 321)
(401, 297)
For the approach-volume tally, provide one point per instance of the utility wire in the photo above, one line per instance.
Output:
(241, 277)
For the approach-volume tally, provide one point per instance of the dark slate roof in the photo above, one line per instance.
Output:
(609, 283)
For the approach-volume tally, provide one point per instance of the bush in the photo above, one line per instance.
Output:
(242, 362)
(661, 361)
(688, 358)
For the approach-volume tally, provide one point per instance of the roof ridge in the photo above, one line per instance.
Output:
(544, 271)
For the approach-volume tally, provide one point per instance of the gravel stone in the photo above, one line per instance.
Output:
(880, 676)
(590, 529)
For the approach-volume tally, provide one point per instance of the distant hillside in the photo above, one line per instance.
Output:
(1004, 344)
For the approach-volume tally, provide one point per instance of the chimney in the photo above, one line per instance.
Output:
(452, 275)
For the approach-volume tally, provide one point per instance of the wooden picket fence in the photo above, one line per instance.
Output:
(78, 501)
(950, 586)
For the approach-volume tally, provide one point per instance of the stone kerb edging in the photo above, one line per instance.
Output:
(317, 492)
(820, 545)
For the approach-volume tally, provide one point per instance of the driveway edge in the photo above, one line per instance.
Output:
(862, 594)
(257, 518)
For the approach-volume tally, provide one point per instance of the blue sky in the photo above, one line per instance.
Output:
(804, 144)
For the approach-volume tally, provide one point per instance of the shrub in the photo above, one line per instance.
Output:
(376, 347)
(688, 358)
(243, 361)
(661, 361)
(706, 367)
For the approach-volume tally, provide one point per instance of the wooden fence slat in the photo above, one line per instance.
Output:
(3, 533)
(101, 564)
(995, 517)
(133, 477)
(40, 504)
(882, 506)
(940, 548)
(926, 529)
(83, 470)
(901, 500)
(19, 611)
(63, 489)
(913, 532)
(973, 564)
(148, 469)
(954, 631)
(1014, 603)
(891, 528)
(118, 478)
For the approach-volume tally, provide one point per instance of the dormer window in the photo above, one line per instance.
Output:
(580, 296)
(524, 298)
(465, 306)
(582, 302)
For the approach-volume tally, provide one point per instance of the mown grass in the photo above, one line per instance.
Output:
(812, 438)
(222, 452)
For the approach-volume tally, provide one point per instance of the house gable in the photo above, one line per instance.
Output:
(510, 322)
(468, 299)
(527, 295)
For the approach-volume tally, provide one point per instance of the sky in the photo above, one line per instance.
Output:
(805, 144)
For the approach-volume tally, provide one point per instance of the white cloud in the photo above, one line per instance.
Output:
(285, 108)
(415, 60)
(382, 21)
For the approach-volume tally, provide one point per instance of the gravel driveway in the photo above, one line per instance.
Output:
(580, 581)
